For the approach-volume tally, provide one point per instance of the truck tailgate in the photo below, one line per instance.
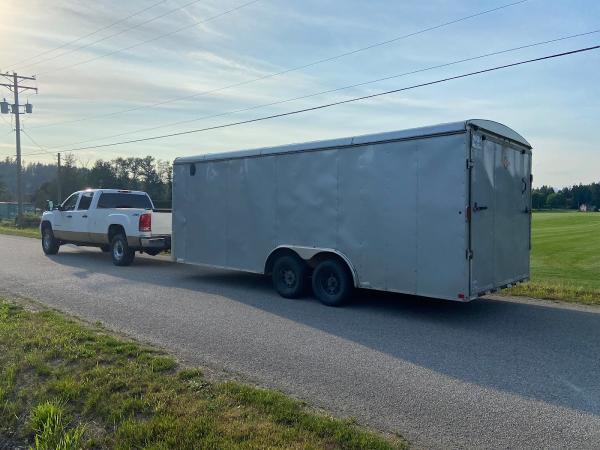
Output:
(161, 223)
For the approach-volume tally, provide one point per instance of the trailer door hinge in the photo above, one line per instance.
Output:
(470, 163)
(469, 254)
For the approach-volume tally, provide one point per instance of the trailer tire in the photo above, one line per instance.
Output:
(122, 254)
(50, 245)
(290, 276)
(332, 282)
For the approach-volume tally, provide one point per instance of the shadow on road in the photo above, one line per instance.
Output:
(549, 354)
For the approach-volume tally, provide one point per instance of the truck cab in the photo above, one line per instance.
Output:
(115, 220)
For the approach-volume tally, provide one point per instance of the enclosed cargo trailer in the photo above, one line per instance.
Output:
(441, 211)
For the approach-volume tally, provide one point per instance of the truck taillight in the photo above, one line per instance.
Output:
(146, 222)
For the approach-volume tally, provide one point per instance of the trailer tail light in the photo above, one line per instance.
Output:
(461, 296)
(146, 222)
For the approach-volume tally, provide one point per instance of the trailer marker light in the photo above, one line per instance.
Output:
(145, 222)
(461, 296)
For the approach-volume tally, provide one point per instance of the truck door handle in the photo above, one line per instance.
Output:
(476, 207)
(69, 216)
(85, 216)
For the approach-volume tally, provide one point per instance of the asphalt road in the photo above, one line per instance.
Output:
(487, 374)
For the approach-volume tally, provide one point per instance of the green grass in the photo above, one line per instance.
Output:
(65, 385)
(565, 258)
(10, 228)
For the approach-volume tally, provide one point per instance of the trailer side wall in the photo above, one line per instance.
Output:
(396, 210)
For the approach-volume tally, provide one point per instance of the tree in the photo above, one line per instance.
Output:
(556, 200)
(102, 175)
(4, 194)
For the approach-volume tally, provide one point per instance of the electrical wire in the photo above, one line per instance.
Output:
(34, 142)
(170, 33)
(329, 91)
(124, 19)
(342, 102)
(286, 71)
(118, 33)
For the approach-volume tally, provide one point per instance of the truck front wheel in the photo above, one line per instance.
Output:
(49, 243)
(122, 255)
(332, 282)
(290, 276)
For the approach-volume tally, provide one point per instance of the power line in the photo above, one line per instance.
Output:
(34, 142)
(89, 34)
(178, 30)
(133, 27)
(342, 102)
(285, 71)
(302, 97)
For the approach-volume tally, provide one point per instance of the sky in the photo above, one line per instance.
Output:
(185, 48)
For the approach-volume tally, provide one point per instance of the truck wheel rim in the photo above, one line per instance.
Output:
(46, 240)
(118, 250)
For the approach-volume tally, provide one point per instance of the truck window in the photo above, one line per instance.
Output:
(123, 200)
(69, 204)
(85, 201)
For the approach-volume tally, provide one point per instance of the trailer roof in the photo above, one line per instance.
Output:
(412, 133)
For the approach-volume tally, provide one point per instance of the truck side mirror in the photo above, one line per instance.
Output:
(50, 205)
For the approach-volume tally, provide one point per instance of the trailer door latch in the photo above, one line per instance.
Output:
(470, 163)
(469, 254)
(477, 207)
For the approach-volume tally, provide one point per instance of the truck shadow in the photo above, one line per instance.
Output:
(541, 352)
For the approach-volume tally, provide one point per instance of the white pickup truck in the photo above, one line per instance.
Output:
(118, 221)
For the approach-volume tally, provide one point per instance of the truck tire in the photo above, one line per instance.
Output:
(105, 248)
(121, 254)
(290, 276)
(50, 245)
(332, 282)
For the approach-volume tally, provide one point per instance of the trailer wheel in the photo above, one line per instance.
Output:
(50, 245)
(290, 276)
(122, 255)
(332, 282)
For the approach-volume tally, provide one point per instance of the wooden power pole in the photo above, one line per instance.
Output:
(17, 88)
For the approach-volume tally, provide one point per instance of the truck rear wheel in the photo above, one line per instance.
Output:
(122, 255)
(50, 245)
(290, 276)
(332, 282)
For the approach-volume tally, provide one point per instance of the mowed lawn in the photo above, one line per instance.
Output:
(565, 258)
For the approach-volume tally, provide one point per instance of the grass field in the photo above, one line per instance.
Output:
(65, 385)
(565, 258)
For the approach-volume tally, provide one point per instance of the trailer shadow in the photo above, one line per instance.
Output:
(510, 346)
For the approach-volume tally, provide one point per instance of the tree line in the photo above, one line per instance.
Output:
(573, 197)
(40, 180)
(155, 177)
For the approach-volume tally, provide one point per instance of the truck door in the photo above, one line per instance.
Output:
(80, 220)
(62, 221)
(500, 211)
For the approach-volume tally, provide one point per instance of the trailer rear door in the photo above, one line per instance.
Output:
(500, 212)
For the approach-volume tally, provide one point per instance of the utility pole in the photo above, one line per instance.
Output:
(58, 186)
(16, 88)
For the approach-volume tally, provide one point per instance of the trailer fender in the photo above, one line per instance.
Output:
(309, 254)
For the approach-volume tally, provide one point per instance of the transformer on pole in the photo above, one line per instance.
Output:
(17, 88)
